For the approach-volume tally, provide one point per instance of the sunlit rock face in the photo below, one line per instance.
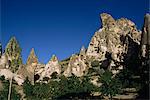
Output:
(82, 50)
(39, 69)
(13, 53)
(12, 49)
(51, 67)
(8, 75)
(32, 61)
(4, 63)
(76, 66)
(116, 37)
(31, 65)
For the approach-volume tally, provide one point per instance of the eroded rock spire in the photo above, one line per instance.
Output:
(145, 39)
(32, 58)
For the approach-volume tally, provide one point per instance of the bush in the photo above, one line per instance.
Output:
(58, 88)
(110, 86)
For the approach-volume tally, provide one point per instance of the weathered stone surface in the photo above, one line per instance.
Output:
(82, 51)
(76, 66)
(145, 38)
(13, 53)
(12, 49)
(8, 74)
(116, 37)
(4, 63)
(51, 67)
(32, 61)
(31, 65)
(39, 69)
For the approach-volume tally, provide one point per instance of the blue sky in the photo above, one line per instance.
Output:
(61, 27)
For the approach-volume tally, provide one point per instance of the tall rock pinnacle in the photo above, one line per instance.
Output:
(82, 51)
(145, 39)
(32, 57)
(13, 52)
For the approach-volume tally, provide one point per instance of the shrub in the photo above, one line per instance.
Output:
(110, 86)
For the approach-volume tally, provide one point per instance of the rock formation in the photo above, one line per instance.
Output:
(113, 38)
(13, 53)
(52, 66)
(145, 40)
(31, 65)
(7, 73)
(32, 61)
(115, 45)
(76, 66)
(39, 69)
(82, 50)
(4, 63)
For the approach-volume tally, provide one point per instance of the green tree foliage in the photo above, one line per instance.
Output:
(4, 92)
(87, 86)
(57, 88)
(28, 88)
(110, 86)
(13, 51)
(125, 77)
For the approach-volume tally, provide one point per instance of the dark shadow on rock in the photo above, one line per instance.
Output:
(144, 93)
(131, 59)
(105, 63)
(36, 77)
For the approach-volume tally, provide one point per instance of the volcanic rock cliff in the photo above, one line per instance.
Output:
(117, 41)
(115, 46)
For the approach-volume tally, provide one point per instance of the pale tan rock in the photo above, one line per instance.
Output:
(51, 67)
(4, 61)
(82, 50)
(8, 75)
(76, 66)
(31, 65)
(115, 37)
(39, 69)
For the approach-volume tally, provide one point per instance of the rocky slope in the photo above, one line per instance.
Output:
(115, 45)
(115, 41)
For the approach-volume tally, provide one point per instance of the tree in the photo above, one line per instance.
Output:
(110, 86)
(40, 91)
(28, 89)
(125, 77)
(5, 90)
(62, 88)
(87, 86)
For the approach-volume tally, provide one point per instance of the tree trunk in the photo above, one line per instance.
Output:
(9, 94)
